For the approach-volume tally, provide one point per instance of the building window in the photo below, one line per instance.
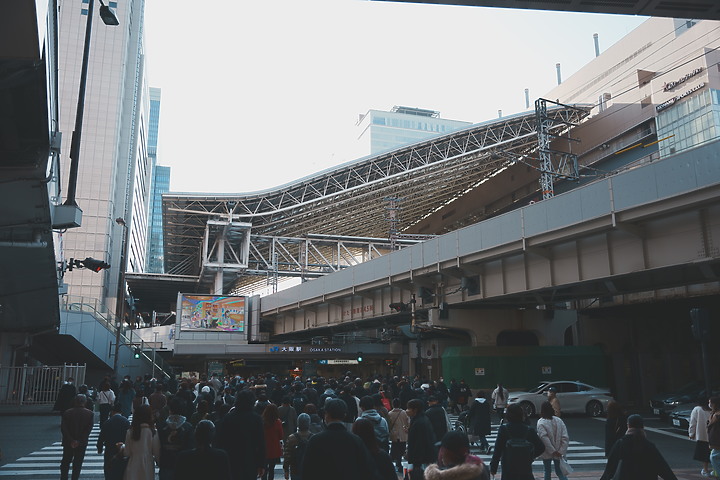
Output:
(84, 11)
(689, 123)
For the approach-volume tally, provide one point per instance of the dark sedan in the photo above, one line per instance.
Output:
(663, 404)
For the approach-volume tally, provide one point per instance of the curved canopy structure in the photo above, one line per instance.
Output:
(369, 197)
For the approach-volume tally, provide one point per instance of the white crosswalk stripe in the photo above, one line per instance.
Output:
(578, 455)
(44, 464)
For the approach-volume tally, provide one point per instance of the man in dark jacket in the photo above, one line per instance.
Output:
(336, 453)
(641, 460)
(175, 434)
(513, 467)
(241, 434)
(76, 425)
(478, 420)
(438, 417)
(112, 432)
(203, 461)
(421, 449)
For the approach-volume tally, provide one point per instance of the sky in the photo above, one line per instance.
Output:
(257, 94)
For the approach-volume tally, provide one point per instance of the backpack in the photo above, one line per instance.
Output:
(519, 451)
(299, 450)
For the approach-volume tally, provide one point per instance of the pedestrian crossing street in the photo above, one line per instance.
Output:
(580, 456)
(44, 464)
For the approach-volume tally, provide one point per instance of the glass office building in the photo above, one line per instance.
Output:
(113, 163)
(381, 131)
(655, 92)
(160, 185)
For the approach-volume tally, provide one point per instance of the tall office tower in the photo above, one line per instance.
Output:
(113, 161)
(381, 131)
(160, 185)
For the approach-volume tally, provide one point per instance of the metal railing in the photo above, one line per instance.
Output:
(36, 385)
(103, 315)
(93, 306)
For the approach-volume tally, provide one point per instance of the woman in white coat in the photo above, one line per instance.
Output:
(553, 433)
(142, 446)
(697, 430)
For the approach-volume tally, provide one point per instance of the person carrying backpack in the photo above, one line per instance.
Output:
(516, 447)
(295, 448)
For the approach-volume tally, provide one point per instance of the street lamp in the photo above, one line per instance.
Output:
(120, 310)
(108, 18)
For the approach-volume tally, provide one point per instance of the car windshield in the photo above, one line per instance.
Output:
(538, 388)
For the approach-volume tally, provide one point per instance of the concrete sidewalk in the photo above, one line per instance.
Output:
(27, 410)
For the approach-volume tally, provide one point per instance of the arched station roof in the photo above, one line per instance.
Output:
(352, 199)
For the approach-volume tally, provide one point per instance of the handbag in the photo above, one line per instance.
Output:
(118, 464)
(565, 467)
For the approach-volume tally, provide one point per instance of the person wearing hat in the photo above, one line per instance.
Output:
(294, 446)
(634, 457)
(554, 401)
(455, 462)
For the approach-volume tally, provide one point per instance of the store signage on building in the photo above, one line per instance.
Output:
(480, 371)
(325, 349)
(339, 361)
(546, 370)
(286, 348)
(677, 98)
(357, 310)
(304, 349)
(671, 85)
(215, 367)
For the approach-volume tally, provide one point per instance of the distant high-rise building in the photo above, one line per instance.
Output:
(114, 165)
(381, 131)
(160, 185)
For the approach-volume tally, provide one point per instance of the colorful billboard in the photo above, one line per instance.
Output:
(211, 313)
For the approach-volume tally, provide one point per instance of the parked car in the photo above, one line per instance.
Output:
(680, 416)
(664, 403)
(575, 397)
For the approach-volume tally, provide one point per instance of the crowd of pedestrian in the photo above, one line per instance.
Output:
(344, 427)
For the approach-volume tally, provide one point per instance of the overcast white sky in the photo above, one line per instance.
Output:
(256, 94)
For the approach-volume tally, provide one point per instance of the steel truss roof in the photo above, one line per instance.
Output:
(352, 199)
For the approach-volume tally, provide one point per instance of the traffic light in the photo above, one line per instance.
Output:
(398, 306)
(89, 263)
(137, 352)
(359, 357)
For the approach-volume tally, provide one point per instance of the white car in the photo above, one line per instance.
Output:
(575, 397)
